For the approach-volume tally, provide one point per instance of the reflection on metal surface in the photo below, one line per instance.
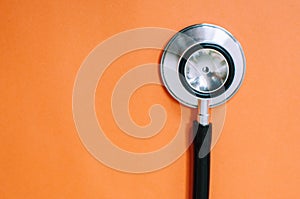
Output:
(206, 70)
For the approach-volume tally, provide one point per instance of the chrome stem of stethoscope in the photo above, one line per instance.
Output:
(203, 112)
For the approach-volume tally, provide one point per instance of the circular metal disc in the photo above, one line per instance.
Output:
(205, 70)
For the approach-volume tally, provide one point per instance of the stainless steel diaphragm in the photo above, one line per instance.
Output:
(203, 62)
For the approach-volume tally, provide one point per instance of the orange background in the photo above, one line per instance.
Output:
(42, 45)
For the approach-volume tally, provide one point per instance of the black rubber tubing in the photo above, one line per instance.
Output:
(201, 143)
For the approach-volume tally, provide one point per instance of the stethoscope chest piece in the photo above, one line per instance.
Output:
(202, 62)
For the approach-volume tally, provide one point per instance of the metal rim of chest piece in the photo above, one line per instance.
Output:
(205, 62)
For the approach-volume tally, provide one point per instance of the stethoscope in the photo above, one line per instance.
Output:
(202, 66)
